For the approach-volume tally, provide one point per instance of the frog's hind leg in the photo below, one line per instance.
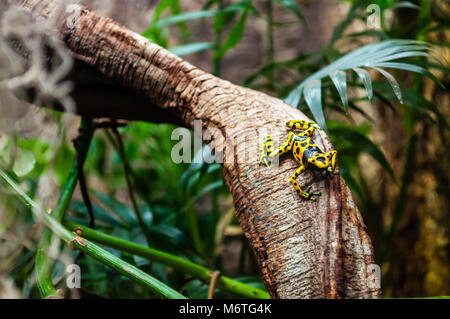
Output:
(308, 132)
(331, 157)
(304, 194)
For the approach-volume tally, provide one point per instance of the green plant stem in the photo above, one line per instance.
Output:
(217, 62)
(81, 144)
(92, 249)
(270, 42)
(127, 170)
(192, 219)
(173, 261)
(42, 265)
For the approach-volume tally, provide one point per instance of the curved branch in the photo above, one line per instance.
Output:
(304, 248)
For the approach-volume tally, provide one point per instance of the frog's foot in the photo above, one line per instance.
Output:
(316, 126)
(309, 195)
(329, 172)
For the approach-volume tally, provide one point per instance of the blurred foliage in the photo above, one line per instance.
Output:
(186, 207)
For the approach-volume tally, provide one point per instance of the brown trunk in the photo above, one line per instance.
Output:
(304, 249)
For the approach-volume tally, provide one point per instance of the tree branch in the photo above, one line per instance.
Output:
(304, 248)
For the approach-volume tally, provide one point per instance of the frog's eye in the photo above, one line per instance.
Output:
(321, 159)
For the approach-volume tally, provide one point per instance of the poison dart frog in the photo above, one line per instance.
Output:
(305, 152)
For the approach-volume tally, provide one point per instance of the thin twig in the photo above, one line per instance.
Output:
(86, 132)
(212, 283)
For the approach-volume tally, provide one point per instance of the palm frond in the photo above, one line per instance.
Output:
(372, 56)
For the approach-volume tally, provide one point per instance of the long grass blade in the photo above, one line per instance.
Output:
(339, 79)
(313, 97)
(367, 81)
(393, 82)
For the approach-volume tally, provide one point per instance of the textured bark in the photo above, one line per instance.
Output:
(304, 249)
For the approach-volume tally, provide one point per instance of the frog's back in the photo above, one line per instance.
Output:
(304, 148)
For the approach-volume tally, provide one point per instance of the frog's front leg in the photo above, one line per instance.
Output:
(332, 166)
(305, 194)
(301, 125)
(267, 151)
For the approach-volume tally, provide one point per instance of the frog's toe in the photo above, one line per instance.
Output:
(309, 195)
(265, 160)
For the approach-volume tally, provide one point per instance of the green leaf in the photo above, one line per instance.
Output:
(169, 233)
(175, 9)
(191, 48)
(415, 101)
(185, 17)
(208, 188)
(154, 34)
(363, 143)
(202, 164)
(89, 248)
(374, 55)
(294, 97)
(195, 289)
(226, 15)
(313, 97)
(162, 6)
(24, 162)
(393, 82)
(176, 262)
(99, 213)
(222, 19)
(291, 5)
(63, 163)
(350, 180)
(367, 81)
(124, 212)
(339, 79)
(147, 214)
(234, 37)
(411, 67)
